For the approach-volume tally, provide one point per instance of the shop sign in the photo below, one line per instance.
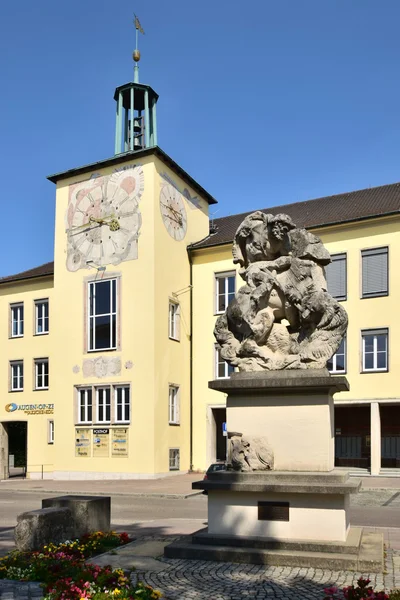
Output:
(31, 409)
(82, 442)
(119, 442)
(101, 442)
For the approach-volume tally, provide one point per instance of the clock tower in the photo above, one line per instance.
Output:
(123, 290)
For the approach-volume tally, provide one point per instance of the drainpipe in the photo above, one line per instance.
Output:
(191, 360)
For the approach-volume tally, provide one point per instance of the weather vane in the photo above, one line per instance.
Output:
(136, 53)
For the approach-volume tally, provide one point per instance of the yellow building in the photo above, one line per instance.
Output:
(108, 351)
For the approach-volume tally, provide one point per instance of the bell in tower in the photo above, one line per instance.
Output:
(136, 124)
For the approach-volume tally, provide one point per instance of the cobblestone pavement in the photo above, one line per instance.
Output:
(203, 580)
(18, 590)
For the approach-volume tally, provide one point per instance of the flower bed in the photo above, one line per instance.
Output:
(359, 592)
(65, 575)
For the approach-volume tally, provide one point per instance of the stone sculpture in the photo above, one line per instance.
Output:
(283, 317)
(250, 454)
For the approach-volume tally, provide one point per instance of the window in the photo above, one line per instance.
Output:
(122, 404)
(174, 459)
(173, 405)
(174, 320)
(224, 290)
(50, 432)
(222, 368)
(374, 272)
(85, 405)
(41, 374)
(41, 317)
(375, 350)
(17, 376)
(337, 364)
(17, 320)
(336, 276)
(103, 315)
(103, 405)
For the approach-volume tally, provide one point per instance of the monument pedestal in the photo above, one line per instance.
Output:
(297, 513)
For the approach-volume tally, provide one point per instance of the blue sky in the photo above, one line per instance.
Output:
(262, 102)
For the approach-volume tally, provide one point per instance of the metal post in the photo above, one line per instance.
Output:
(42, 471)
(132, 119)
(146, 119)
(119, 124)
(154, 118)
(116, 128)
(126, 127)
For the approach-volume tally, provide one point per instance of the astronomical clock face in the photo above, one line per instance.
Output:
(173, 212)
(103, 219)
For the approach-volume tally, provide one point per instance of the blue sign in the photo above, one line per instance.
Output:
(224, 431)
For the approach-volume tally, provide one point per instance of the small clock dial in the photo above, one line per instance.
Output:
(173, 212)
(103, 219)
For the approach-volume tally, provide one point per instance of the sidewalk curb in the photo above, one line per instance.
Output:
(97, 493)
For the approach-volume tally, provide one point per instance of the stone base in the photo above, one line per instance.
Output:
(89, 513)
(292, 410)
(361, 552)
(279, 505)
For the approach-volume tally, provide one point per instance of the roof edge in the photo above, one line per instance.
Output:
(127, 156)
(193, 247)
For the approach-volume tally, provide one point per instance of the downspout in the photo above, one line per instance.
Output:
(191, 361)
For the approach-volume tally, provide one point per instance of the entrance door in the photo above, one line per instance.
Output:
(219, 415)
(352, 436)
(390, 432)
(17, 448)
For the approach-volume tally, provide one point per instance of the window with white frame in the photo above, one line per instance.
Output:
(336, 276)
(224, 290)
(222, 368)
(16, 375)
(103, 403)
(337, 364)
(174, 459)
(85, 405)
(102, 320)
(50, 432)
(174, 320)
(374, 350)
(41, 317)
(41, 373)
(122, 404)
(173, 405)
(17, 320)
(375, 272)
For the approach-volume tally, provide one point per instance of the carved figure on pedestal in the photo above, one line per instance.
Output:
(250, 454)
(283, 317)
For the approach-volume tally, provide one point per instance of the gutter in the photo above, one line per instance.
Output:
(191, 364)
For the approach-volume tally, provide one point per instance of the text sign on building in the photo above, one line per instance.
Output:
(31, 409)
(119, 442)
(82, 442)
(101, 442)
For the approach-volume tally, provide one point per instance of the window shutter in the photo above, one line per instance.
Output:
(374, 272)
(336, 277)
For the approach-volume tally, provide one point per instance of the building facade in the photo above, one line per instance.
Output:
(108, 350)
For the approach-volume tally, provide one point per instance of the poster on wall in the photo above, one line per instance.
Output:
(82, 442)
(101, 442)
(119, 442)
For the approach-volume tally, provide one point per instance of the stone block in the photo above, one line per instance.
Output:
(89, 513)
(37, 528)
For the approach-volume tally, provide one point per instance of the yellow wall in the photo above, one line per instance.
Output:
(363, 314)
(27, 348)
